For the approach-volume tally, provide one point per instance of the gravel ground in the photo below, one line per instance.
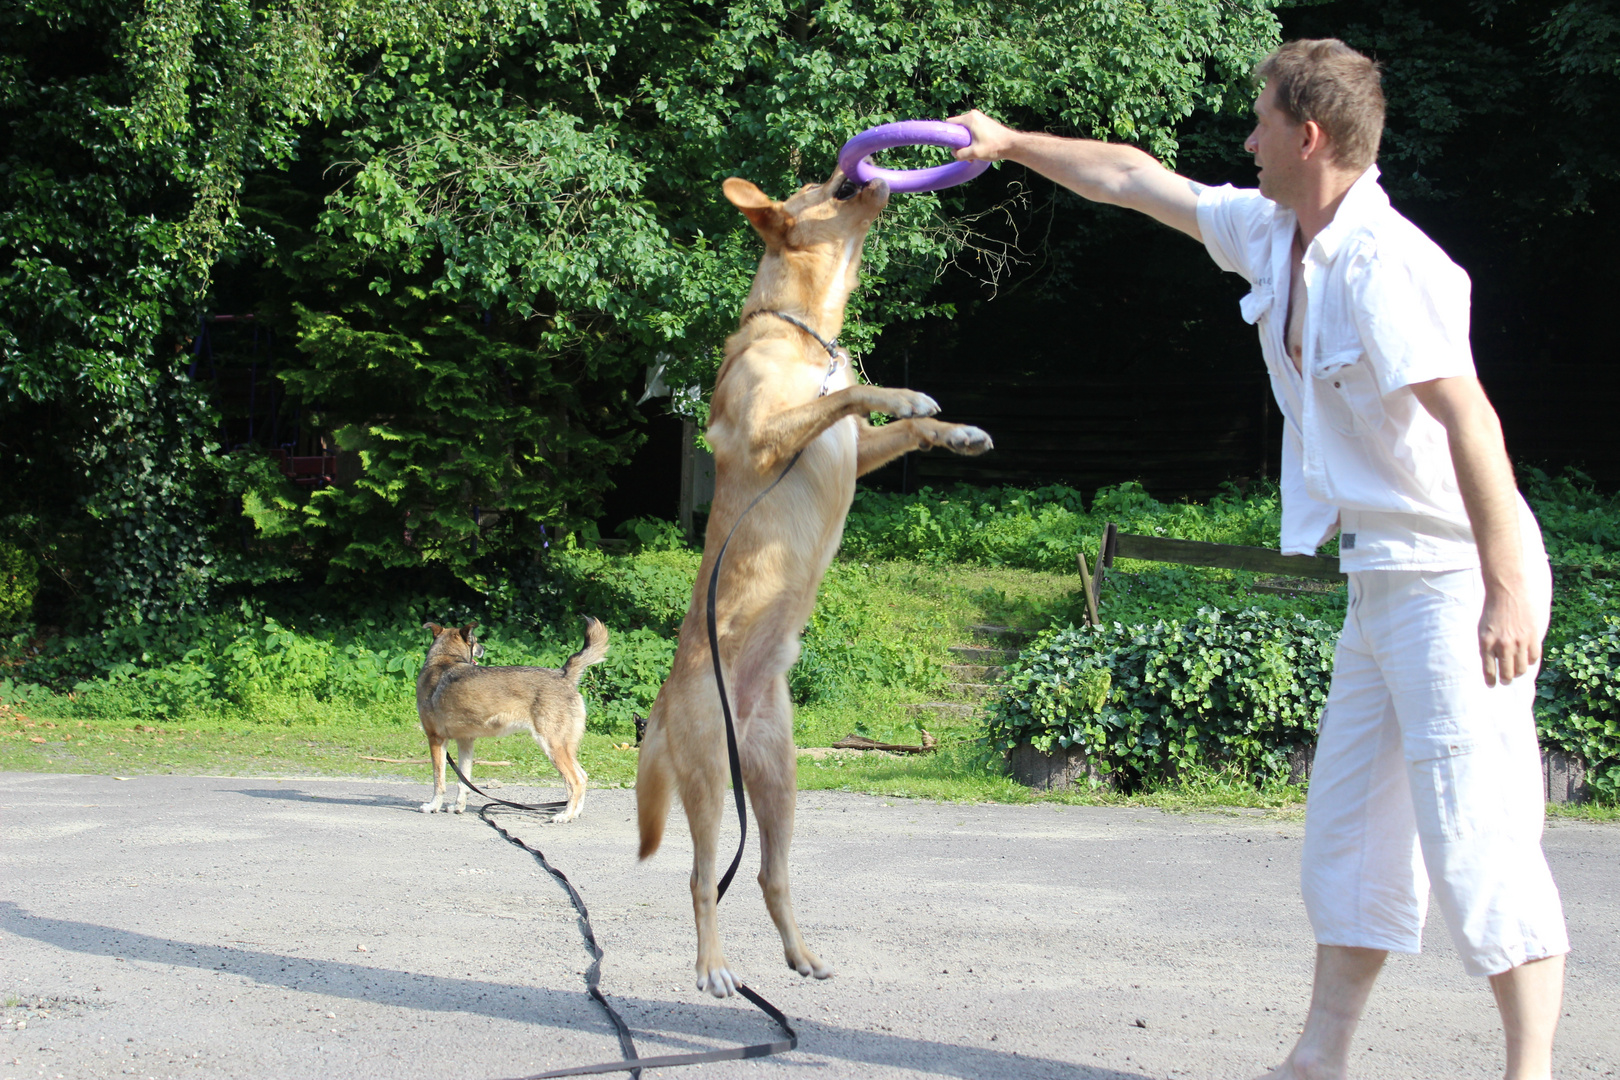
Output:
(168, 926)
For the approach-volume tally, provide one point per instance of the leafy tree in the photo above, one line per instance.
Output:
(525, 223)
(129, 131)
(480, 219)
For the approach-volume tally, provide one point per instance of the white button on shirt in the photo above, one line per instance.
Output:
(1385, 309)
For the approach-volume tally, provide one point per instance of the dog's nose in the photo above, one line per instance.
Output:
(878, 190)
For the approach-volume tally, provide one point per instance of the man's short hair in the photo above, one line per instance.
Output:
(1327, 81)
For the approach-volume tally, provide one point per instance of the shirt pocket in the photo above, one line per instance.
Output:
(1346, 388)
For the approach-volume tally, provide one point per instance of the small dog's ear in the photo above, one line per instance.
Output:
(467, 631)
(435, 628)
(763, 212)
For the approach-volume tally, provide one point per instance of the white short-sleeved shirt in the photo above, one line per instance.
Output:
(1385, 309)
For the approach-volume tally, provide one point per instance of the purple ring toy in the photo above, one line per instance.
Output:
(853, 158)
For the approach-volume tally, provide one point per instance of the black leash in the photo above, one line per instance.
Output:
(632, 1063)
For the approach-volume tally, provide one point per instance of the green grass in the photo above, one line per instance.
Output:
(870, 613)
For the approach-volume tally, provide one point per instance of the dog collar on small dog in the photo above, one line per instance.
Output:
(834, 351)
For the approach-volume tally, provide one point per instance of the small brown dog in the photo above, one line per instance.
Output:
(783, 390)
(457, 699)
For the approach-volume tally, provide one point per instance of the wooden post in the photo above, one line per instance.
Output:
(1091, 596)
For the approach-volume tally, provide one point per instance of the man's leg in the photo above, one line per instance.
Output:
(1344, 978)
(1529, 997)
(1476, 784)
(1361, 873)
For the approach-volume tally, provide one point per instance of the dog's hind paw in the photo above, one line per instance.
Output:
(719, 981)
(808, 963)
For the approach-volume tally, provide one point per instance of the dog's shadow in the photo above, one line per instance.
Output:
(382, 802)
(668, 1025)
(541, 814)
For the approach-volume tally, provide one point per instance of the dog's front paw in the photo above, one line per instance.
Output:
(430, 807)
(967, 440)
(905, 404)
(807, 963)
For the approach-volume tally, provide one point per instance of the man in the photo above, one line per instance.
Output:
(1427, 769)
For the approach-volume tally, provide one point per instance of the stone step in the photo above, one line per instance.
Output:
(1007, 635)
(984, 673)
(973, 691)
(953, 710)
(983, 654)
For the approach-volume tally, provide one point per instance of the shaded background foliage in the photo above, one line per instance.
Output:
(470, 225)
(1119, 353)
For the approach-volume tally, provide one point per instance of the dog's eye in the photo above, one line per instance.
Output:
(847, 190)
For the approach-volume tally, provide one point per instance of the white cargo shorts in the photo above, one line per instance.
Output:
(1425, 776)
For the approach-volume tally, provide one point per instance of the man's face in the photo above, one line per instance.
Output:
(1277, 144)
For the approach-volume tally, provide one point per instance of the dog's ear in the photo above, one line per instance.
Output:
(767, 216)
(435, 628)
(467, 631)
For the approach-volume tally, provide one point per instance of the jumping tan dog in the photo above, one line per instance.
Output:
(457, 699)
(779, 392)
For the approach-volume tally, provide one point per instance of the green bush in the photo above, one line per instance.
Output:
(844, 649)
(1580, 525)
(1239, 691)
(1578, 704)
(19, 581)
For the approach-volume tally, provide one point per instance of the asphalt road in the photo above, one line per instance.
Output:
(216, 927)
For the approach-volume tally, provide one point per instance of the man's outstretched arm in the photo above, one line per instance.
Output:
(1102, 172)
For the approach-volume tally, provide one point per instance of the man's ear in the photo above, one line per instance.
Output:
(1313, 140)
(763, 212)
(435, 628)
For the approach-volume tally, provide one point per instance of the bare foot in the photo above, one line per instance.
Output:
(1296, 1069)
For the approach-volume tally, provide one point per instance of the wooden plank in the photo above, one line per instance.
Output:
(1226, 557)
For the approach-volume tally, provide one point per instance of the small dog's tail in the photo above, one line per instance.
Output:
(655, 784)
(596, 645)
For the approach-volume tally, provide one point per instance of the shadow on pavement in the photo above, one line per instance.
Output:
(534, 1005)
(387, 802)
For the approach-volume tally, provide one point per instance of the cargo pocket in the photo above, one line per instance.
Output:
(1442, 769)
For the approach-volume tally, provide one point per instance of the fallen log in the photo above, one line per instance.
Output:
(420, 761)
(861, 742)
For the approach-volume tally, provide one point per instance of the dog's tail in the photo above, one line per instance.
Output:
(596, 645)
(655, 784)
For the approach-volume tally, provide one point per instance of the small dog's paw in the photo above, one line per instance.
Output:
(460, 807)
(968, 440)
(430, 807)
(906, 404)
(719, 981)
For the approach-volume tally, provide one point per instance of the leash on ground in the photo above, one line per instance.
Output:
(632, 1063)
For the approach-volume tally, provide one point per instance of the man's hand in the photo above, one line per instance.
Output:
(992, 140)
(1509, 637)
(1509, 629)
